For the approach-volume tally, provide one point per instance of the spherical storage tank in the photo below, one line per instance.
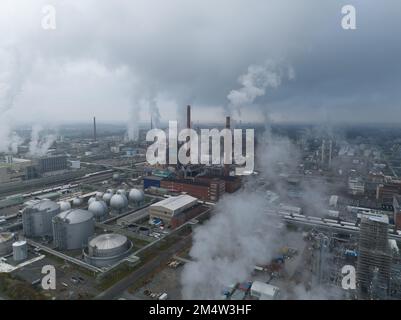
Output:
(135, 195)
(91, 199)
(77, 202)
(72, 229)
(37, 218)
(107, 249)
(107, 197)
(99, 209)
(64, 205)
(118, 202)
(6, 243)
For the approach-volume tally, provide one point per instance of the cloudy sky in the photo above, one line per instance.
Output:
(114, 59)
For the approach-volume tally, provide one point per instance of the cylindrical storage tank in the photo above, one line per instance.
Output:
(136, 196)
(72, 229)
(107, 249)
(99, 209)
(20, 250)
(64, 205)
(107, 197)
(37, 218)
(118, 202)
(6, 242)
(76, 202)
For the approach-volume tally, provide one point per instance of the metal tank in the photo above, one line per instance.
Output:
(91, 199)
(107, 249)
(118, 202)
(107, 197)
(136, 196)
(6, 242)
(64, 205)
(72, 229)
(99, 209)
(76, 202)
(37, 218)
(20, 250)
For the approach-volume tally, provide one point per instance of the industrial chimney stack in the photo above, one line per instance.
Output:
(188, 117)
(227, 166)
(94, 129)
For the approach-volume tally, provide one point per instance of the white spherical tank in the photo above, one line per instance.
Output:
(122, 192)
(76, 202)
(99, 209)
(99, 195)
(73, 228)
(91, 199)
(118, 202)
(107, 197)
(6, 242)
(136, 195)
(64, 205)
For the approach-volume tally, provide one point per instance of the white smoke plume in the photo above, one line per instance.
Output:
(239, 236)
(256, 82)
(39, 144)
(11, 80)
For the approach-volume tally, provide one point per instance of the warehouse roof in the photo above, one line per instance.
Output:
(175, 203)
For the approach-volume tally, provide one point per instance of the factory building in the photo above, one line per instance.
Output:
(386, 192)
(264, 291)
(374, 258)
(151, 181)
(173, 211)
(52, 163)
(107, 249)
(72, 229)
(37, 218)
(210, 190)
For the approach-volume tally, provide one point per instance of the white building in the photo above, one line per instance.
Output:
(264, 291)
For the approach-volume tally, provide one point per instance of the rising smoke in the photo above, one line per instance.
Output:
(255, 83)
(40, 141)
(11, 80)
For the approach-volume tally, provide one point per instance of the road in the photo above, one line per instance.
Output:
(119, 288)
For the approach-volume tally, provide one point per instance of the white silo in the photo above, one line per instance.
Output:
(20, 250)
(73, 228)
(136, 196)
(37, 218)
(99, 209)
(6, 241)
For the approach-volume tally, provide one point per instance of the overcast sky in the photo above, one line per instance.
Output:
(107, 58)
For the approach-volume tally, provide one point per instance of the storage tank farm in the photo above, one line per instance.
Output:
(119, 202)
(106, 250)
(72, 229)
(6, 242)
(99, 209)
(37, 218)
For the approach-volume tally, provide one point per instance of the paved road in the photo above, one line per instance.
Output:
(118, 288)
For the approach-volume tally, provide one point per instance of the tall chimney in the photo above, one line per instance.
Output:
(188, 117)
(227, 166)
(94, 129)
(228, 123)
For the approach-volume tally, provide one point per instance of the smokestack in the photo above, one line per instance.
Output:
(188, 117)
(94, 129)
(151, 122)
(228, 123)
(227, 166)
